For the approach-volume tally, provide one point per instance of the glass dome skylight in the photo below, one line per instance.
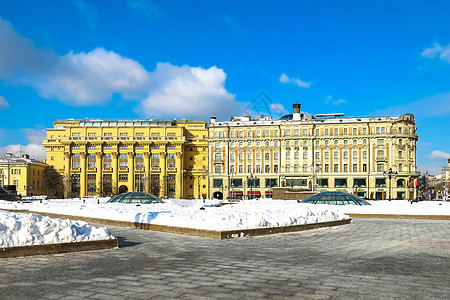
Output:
(335, 198)
(135, 198)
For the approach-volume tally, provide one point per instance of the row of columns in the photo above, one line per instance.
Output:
(131, 172)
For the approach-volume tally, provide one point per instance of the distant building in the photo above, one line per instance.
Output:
(22, 175)
(247, 156)
(103, 157)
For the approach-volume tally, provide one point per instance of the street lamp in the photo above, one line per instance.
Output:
(389, 175)
(251, 182)
(355, 189)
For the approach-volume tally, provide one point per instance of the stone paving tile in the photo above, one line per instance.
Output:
(370, 259)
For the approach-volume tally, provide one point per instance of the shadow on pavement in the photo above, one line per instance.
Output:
(124, 243)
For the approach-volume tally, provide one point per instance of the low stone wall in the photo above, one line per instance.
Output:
(212, 234)
(46, 249)
(283, 193)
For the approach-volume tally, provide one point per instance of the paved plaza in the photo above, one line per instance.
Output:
(370, 259)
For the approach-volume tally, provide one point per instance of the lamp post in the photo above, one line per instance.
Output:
(389, 175)
(250, 183)
(355, 189)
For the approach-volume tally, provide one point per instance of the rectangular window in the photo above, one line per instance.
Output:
(380, 167)
(296, 132)
(355, 168)
(340, 182)
(123, 134)
(171, 134)
(305, 132)
(236, 182)
(287, 132)
(123, 177)
(155, 134)
(107, 160)
(91, 161)
(336, 168)
(322, 182)
(359, 182)
(218, 182)
(139, 134)
(123, 160)
(345, 167)
(380, 182)
(92, 134)
(107, 134)
(76, 134)
(271, 182)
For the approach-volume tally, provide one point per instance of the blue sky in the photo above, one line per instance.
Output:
(194, 59)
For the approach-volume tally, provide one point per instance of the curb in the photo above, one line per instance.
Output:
(46, 249)
(212, 234)
(388, 216)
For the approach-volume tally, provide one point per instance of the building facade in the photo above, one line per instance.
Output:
(167, 158)
(24, 174)
(373, 157)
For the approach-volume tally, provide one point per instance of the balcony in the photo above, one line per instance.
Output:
(381, 159)
(218, 161)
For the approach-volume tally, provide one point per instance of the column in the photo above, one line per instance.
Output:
(83, 174)
(179, 176)
(131, 166)
(147, 173)
(67, 163)
(98, 176)
(68, 183)
(115, 174)
(162, 179)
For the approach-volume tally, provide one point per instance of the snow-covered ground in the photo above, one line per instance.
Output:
(20, 229)
(400, 207)
(192, 214)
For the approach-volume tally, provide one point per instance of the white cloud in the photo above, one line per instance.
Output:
(438, 50)
(335, 102)
(440, 107)
(285, 79)
(34, 148)
(278, 108)
(76, 78)
(147, 8)
(82, 79)
(35, 136)
(92, 78)
(88, 10)
(437, 154)
(36, 151)
(340, 101)
(3, 104)
(189, 92)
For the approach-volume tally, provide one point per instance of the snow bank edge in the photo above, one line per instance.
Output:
(46, 249)
(214, 234)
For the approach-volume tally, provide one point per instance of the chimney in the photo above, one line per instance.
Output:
(25, 156)
(296, 114)
(8, 154)
(213, 120)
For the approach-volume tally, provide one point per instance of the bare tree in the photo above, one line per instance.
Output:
(54, 185)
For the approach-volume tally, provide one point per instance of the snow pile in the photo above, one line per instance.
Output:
(197, 214)
(399, 207)
(18, 229)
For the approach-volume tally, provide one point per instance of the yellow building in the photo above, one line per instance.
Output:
(325, 152)
(102, 157)
(27, 175)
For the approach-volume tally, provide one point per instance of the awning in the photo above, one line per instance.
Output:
(268, 192)
(256, 193)
(236, 193)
